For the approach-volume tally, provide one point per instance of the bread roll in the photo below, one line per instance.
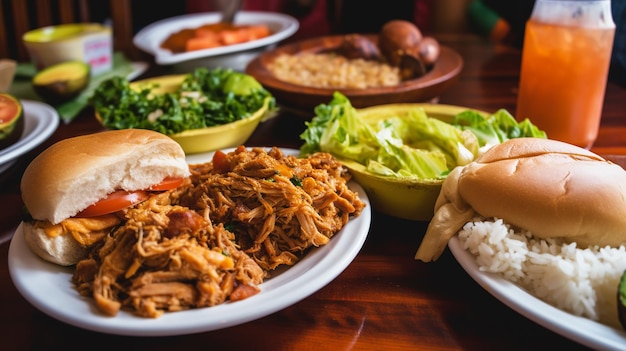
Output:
(553, 189)
(62, 249)
(77, 172)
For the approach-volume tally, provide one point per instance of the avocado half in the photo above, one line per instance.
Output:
(11, 120)
(62, 82)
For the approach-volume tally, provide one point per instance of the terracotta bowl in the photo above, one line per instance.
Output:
(423, 89)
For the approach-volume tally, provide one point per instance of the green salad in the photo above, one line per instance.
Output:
(205, 98)
(413, 145)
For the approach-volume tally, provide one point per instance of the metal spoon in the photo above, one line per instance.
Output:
(228, 8)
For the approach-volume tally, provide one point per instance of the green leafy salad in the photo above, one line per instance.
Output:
(205, 98)
(410, 145)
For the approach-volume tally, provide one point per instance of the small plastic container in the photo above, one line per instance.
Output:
(91, 43)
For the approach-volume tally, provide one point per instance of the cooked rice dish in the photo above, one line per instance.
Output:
(216, 238)
(582, 282)
(326, 70)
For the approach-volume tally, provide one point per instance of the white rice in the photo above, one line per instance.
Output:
(583, 282)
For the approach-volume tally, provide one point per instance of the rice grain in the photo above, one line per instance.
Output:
(583, 282)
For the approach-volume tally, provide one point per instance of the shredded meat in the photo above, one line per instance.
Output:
(140, 267)
(278, 205)
(218, 236)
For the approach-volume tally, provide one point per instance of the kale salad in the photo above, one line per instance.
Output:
(205, 98)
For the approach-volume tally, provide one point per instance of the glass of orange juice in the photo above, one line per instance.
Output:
(565, 64)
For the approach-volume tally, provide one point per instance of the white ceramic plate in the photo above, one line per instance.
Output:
(582, 330)
(48, 287)
(149, 38)
(139, 68)
(40, 121)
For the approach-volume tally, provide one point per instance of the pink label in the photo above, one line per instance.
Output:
(98, 52)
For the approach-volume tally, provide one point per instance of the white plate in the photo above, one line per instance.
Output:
(139, 68)
(48, 287)
(582, 330)
(40, 121)
(150, 37)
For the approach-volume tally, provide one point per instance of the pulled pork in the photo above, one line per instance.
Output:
(278, 205)
(219, 235)
(166, 258)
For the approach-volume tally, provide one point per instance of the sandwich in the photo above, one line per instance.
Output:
(550, 188)
(76, 190)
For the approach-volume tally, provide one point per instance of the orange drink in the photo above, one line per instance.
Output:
(565, 64)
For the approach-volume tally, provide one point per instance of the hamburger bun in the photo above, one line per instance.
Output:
(63, 250)
(550, 188)
(75, 173)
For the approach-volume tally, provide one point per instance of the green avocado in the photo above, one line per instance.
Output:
(62, 82)
(11, 120)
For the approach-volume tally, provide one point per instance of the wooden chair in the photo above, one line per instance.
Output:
(19, 16)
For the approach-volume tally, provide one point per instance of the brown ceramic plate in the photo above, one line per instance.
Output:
(422, 89)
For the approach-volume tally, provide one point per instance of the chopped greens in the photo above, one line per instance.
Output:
(205, 98)
(409, 146)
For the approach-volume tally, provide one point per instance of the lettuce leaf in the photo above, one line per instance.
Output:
(413, 145)
(497, 128)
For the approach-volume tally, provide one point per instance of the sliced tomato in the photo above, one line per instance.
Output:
(167, 184)
(114, 202)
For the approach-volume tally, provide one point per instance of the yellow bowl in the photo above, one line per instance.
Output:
(218, 137)
(210, 138)
(402, 198)
(91, 43)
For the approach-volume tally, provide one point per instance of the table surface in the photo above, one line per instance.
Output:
(384, 300)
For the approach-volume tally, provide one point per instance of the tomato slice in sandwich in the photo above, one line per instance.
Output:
(167, 184)
(121, 199)
(114, 202)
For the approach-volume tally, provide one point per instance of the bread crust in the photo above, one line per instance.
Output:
(530, 147)
(77, 172)
(552, 195)
(553, 189)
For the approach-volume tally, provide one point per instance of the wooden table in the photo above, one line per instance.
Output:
(385, 300)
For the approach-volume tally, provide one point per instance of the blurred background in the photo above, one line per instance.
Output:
(500, 21)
